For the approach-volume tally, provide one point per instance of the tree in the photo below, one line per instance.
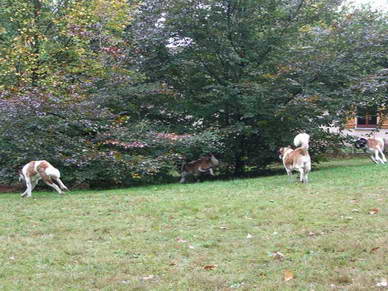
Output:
(55, 56)
(58, 45)
(228, 61)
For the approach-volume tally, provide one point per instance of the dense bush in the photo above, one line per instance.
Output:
(91, 145)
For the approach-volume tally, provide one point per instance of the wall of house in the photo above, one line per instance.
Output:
(351, 129)
(352, 123)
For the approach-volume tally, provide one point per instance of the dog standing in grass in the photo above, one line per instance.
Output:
(37, 170)
(202, 165)
(299, 158)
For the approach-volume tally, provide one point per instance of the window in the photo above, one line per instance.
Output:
(366, 117)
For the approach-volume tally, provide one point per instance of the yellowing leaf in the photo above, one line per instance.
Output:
(374, 211)
(148, 277)
(382, 283)
(278, 256)
(210, 267)
(288, 275)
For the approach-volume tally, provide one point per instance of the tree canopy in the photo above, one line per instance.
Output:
(120, 91)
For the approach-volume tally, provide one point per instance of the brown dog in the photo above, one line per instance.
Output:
(202, 165)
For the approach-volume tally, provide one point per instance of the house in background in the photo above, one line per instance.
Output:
(368, 122)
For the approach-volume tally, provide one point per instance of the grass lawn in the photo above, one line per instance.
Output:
(332, 234)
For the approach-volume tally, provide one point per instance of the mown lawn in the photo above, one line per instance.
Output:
(219, 235)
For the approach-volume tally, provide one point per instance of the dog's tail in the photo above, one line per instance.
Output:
(302, 140)
(214, 161)
(21, 177)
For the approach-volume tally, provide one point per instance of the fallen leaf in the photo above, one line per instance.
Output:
(181, 240)
(288, 275)
(210, 267)
(382, 283)
(278, 256)
(355, 210)
(374, 249)
(374, 211)
(249, 235)
(148, 277)
(172, 264)
(191, 247)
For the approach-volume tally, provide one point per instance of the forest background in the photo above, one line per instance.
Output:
(118, 92)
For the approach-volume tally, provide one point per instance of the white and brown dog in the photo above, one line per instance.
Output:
(374, 146)
(298, 159)
(37, 170)
(202, 165)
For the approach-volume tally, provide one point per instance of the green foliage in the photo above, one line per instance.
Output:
(258, 72)
(116, 92)
(63, 46)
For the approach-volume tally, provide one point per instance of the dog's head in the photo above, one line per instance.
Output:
(211, 159)
(360, 143)
(282, 151)
(214, 160)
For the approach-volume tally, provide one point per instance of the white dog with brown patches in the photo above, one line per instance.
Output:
(374, 146)
(298, 159)
(37, 170)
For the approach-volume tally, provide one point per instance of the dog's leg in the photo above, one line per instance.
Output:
(34, 182)
(183, 177)
(301, 178)
(211, 171)
(373, 159)
(306, 175)
(55, 186)
(377, 157)
(24, 194)
(307, 171)
(289, 174)
(383, 156)
(29, 188)
(60, 183)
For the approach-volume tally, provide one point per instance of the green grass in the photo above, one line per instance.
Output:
(162, 237)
